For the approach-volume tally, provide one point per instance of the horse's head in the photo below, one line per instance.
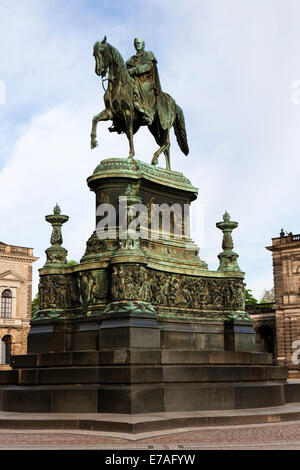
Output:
(101, 49)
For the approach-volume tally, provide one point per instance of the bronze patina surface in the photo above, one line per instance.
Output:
(164, 271)
(134, 98)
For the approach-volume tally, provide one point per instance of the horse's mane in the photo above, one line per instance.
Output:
(116, 56)
(118, 59)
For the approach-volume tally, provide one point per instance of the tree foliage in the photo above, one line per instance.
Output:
(35, 303)
(268, 296)
(72, 262)
(249, 299)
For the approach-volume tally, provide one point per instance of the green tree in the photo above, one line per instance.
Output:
(72, 262)
(268, 296)
(35, 303)
(249, 299)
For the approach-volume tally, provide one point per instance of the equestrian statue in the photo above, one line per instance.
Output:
(134, 98)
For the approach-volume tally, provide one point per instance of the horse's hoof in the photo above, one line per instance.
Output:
(154, 162)
(94, 144)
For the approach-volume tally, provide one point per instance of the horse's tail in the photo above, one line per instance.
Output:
(180, 132)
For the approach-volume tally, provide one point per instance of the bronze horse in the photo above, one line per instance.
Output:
(119, 106)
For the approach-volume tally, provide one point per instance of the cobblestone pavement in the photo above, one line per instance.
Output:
(275, 436)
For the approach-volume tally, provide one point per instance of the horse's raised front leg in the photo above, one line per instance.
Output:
(129, 132)
(105, 115)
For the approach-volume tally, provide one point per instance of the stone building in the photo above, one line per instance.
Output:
(277, 325)
(16, 293)
(286, 268)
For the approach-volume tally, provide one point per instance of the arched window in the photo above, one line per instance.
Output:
(6, 349)
(6, 303)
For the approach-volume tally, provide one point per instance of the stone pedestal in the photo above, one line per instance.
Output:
(141, 324)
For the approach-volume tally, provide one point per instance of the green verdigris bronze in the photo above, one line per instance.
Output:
(56, 254)
(134, 98)
(228, 258)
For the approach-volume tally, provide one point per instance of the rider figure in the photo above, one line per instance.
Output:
(142, 67)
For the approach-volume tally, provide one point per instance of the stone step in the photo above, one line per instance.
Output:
(138, 356)
(143, 398)
(143, 423)
(189, 373)
(176, 397)
(125, 374)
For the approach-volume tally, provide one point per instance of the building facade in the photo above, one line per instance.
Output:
(277, 324)
(16, 295)
(286, 268)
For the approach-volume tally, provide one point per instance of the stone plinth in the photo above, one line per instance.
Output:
(141, 324)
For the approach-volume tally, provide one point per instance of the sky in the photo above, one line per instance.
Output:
(231, 65)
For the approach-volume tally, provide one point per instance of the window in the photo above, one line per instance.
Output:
(6, 303)
(6, 349)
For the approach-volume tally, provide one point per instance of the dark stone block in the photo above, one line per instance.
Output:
(145, 357)
(117, 356)
(278, 373)
(55, 359)
(23, 361)
(70, 375)
(195, 397)
(8, 377)
(146, 374)
(191, 336)
(127, 356)
(261, 358)
(115, 400)
(251, 396)
(46, 342)
(185, 357)
(292, 392)
(147, 399)
(215, 357)
(188, 373)
(75, 401)
(114, 338)
(111, 375)
(132, 399)
(27, 401)
(28, 376)
(129, 338)
(129, 331)
(85, 340)
(227, 357)
(191, 341)
(86, 358)
(129, 375)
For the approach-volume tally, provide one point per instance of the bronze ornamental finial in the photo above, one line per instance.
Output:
(56, 254)
(228, 258)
